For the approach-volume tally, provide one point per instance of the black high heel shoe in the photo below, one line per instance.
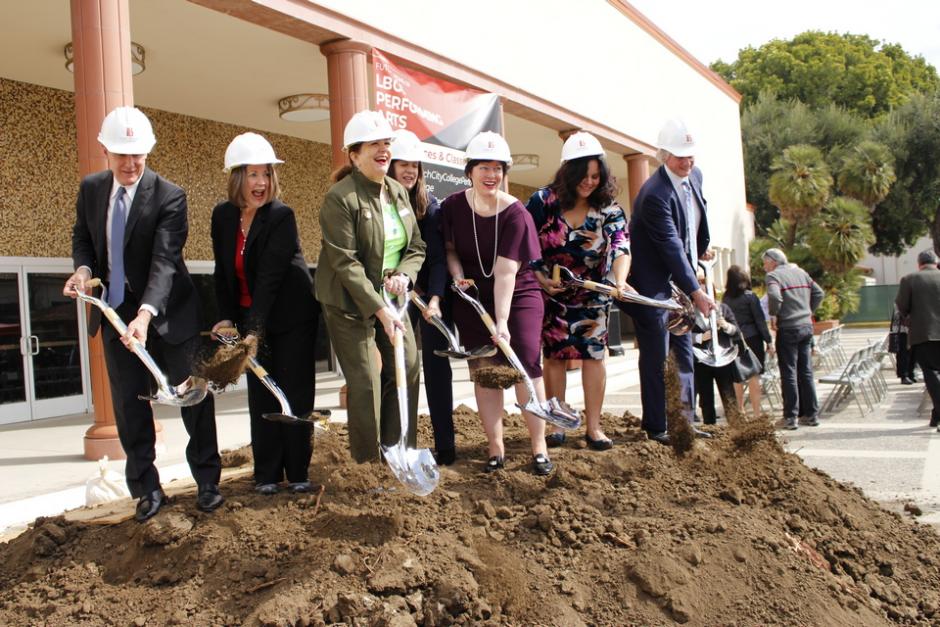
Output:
(495, 463)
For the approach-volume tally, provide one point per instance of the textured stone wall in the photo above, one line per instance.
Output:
(39, 172)
(522, 192)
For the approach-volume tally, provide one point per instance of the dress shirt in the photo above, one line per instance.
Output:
(677, 182)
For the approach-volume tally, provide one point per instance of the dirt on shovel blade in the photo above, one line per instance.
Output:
(222, 365)
(496, 377)
(637, 535)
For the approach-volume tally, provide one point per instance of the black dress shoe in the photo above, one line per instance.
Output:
(495, 463)
(445, 456)
(209, 499)
(705, 435)
(934, 421)
(541, 465)
(149, 504)
(555, 439)
(603, 444)
(659, 436)
(907, 381)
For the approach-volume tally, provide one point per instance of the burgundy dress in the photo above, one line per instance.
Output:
(517, 240)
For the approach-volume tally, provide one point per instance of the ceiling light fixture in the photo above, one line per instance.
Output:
(525, 162)
(138, 58)
(304, 108)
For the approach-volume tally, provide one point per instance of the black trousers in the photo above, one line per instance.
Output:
(129, 378)
(438, 378)
(795, 359)
(904, 358)
(928, 358)
(705, 379)
(282, 450)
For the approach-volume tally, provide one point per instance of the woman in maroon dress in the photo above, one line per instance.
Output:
(490, 238)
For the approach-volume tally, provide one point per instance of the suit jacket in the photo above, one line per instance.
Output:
(919, 297)
(658, 227)
(157, 227)
(278, 279)
(349, 272)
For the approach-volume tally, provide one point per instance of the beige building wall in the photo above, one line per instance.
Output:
(39, 172)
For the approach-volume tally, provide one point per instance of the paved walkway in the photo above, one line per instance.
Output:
(891, 453)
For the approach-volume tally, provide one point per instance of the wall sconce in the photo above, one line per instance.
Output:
(304, 108)
(525, 162)
(138, 58)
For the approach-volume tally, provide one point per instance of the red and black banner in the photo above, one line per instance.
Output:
(444, 116)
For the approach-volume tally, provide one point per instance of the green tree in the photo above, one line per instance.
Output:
(799, 186)
(840, 234)
(770, 126)
(856, 72)
(912, 133)
(867, 173)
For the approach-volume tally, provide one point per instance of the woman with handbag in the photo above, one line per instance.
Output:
(897, 344)
(753, 325)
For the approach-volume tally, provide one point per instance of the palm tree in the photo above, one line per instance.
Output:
(799, 186)
(840, 234)
(867, 173)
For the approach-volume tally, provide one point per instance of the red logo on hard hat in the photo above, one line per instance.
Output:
(688, 139)
(129, 132)
(581, 143)
(490, 145)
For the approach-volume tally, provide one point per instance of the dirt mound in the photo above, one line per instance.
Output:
(732, 532)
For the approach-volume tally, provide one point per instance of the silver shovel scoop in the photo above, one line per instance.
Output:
(454, 350)
(715, 355)
(416, 469)
(552, 411)
(316, 417)
(190, 392)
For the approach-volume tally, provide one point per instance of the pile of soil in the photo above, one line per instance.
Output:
(496, 377)
(734, 531)
(222, 365)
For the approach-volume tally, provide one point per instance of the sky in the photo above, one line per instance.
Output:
(730, 25)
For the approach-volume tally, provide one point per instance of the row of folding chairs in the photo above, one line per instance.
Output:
(829, 353)
(859, 379)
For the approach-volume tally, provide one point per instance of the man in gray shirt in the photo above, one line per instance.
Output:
(792, 297)
(919, 297)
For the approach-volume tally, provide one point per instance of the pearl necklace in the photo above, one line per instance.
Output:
(476, 241)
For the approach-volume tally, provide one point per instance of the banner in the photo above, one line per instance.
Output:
(444, 116)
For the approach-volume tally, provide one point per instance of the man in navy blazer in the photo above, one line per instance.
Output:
(668, 234)
(151, 290)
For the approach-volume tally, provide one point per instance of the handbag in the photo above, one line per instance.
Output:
(746, 364)
(893, 342)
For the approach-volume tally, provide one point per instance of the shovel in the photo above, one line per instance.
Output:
(682, 314)
(317, 417)
(551, 411)
(455, 350)
(190, 392)
(714, 355)
(414, 468)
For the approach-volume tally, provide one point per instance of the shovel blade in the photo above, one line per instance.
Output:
(414, 468)
(190, 392)
(554, 412)
(722, 358)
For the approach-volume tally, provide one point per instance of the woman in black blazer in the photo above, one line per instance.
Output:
(263, 288)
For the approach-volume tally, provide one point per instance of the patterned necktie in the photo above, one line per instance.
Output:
(691, 238)
(118, 222)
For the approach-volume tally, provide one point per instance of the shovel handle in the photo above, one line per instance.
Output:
(556, 273)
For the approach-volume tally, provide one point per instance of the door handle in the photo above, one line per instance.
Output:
(34, 345)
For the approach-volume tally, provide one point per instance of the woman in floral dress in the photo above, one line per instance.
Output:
(582, 228)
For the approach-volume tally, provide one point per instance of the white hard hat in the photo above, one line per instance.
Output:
(489, 146)
(581, 144)
(675, 138)
(407, 146)
(249, 149)
(127, 131)
(366, 126)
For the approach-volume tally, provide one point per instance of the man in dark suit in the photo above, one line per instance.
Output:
(130, 228)
(668, 234)
(919, 297)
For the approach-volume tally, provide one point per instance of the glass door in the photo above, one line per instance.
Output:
(43, 349)
(14, 404)
(56, 352)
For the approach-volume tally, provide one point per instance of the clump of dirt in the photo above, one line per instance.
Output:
(681, 435)
(496, 377)
(224, 365)
(637, 535)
